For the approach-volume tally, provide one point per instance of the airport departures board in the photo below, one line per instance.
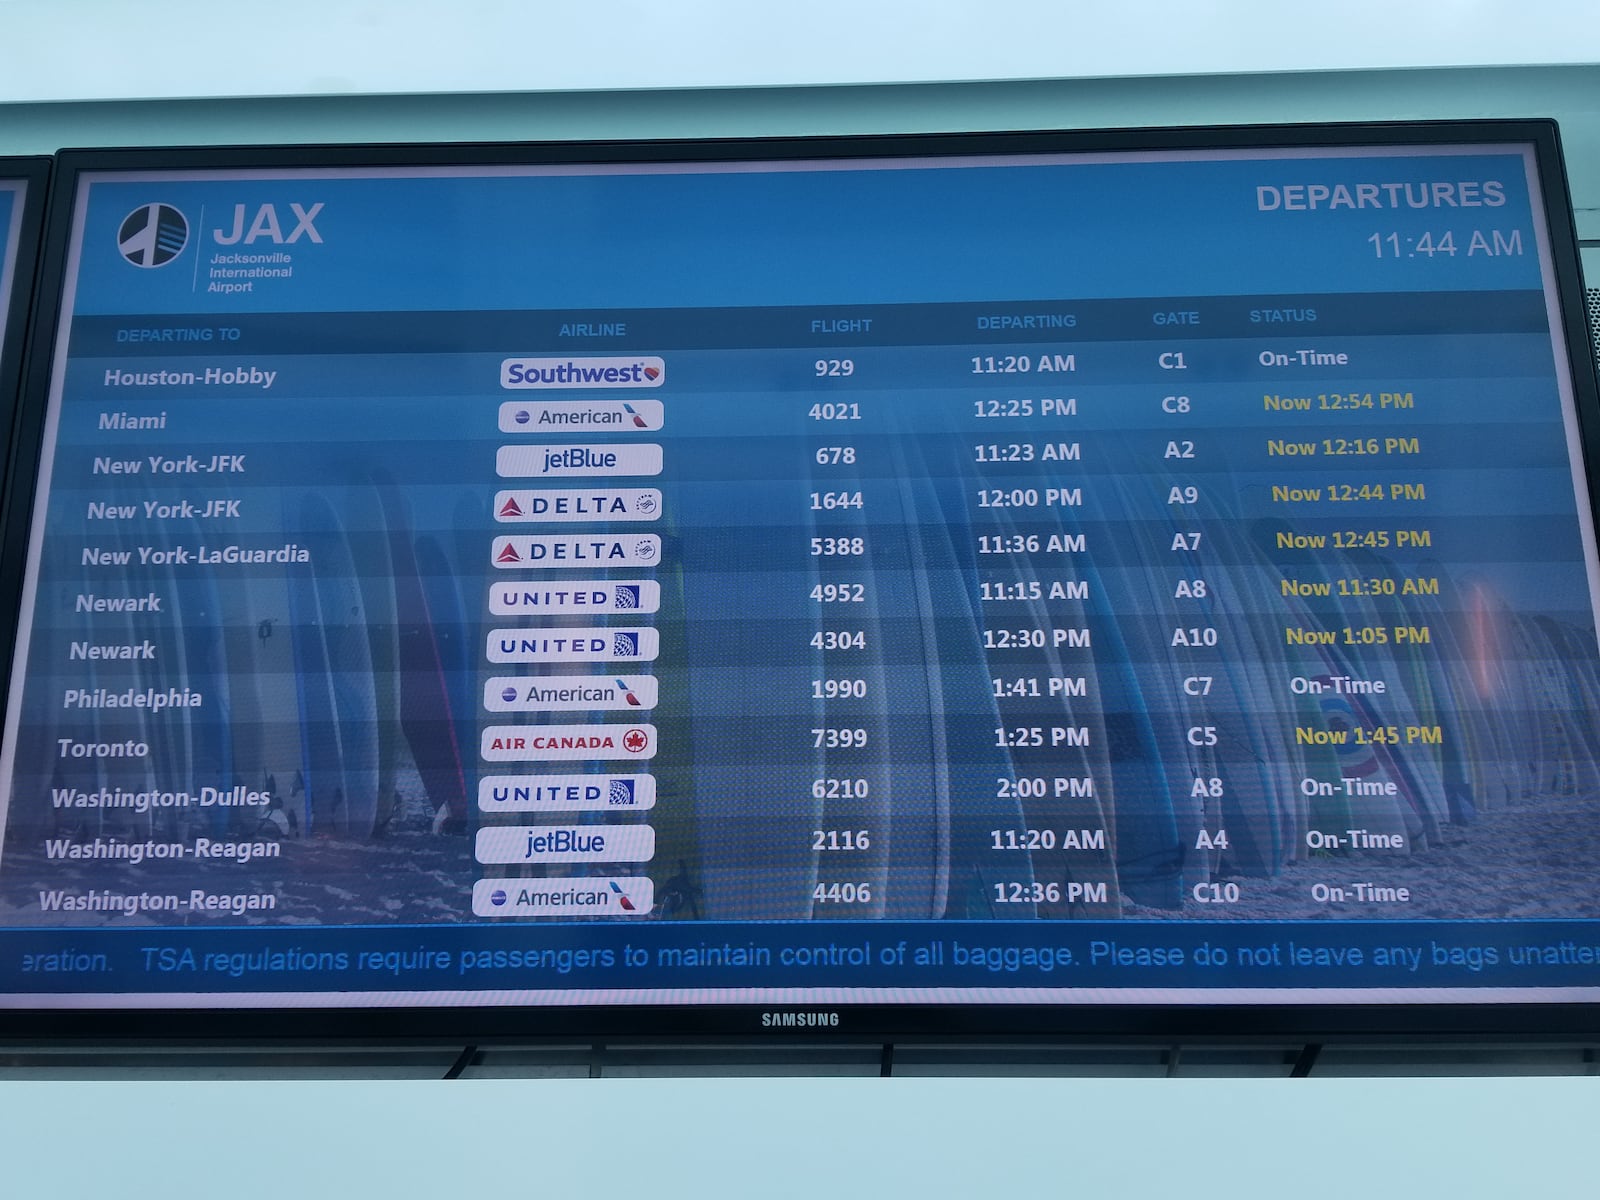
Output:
(22, 188)
(986, 571)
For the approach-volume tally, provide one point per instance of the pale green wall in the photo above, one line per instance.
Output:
(1570, 94)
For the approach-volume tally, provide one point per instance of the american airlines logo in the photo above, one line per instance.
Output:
(152, 236)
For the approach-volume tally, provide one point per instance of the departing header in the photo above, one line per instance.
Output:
(1490, 193)
(869, 231)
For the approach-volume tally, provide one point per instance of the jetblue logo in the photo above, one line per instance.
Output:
(268, 225)
(153, 236)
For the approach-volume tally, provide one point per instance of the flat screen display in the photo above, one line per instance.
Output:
(13, 193)
(22, 182)
(1030, 573)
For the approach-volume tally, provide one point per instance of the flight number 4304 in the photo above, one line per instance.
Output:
(839, 639)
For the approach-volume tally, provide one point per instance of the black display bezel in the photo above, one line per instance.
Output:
(742, 1022)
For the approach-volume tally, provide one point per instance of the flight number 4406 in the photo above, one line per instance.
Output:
(842, 893)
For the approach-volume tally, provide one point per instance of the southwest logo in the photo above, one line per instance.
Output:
(598, 372)
(153, 236)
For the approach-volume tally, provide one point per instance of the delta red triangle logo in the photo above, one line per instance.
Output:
(509, 554)
(510, 508)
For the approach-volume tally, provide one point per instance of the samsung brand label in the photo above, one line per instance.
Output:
(799, 1020)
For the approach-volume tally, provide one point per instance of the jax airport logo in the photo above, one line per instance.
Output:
(153, 235)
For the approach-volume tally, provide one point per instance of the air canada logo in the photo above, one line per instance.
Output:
(153, 236)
